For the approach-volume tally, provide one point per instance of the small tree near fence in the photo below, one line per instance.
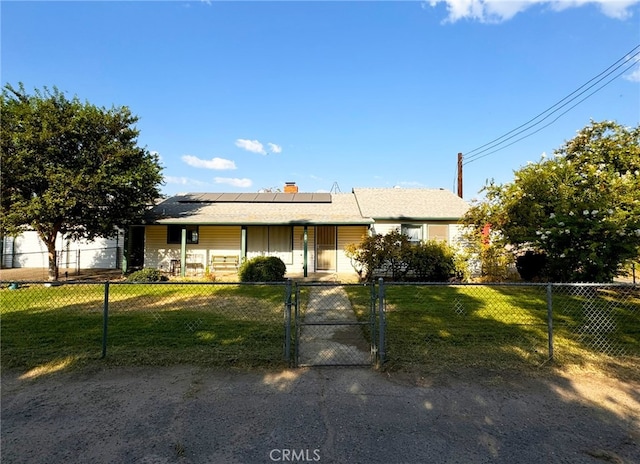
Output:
(394, 256)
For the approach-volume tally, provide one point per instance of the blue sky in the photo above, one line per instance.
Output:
(242, 96)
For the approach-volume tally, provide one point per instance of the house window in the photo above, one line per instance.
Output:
(438, 232)
(270, 241)
(413, 233)
(174, 234)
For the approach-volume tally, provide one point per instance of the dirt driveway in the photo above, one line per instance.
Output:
(188, 414)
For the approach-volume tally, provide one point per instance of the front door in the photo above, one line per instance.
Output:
(326, 248)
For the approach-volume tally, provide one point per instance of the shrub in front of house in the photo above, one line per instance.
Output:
(433, 262)
(392, 256)
(147, 275)
(262, 269)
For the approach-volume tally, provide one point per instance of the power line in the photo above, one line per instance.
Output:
(607, 72)
(628, 57)
(558, 117)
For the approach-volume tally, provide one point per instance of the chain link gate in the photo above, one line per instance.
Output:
(335, 324)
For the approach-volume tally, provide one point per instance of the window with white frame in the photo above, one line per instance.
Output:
(413, 232)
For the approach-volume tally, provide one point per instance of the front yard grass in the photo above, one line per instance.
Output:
(215, 325)
(429, 328)
(440, 327)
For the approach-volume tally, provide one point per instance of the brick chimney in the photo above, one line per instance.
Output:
(290, 187)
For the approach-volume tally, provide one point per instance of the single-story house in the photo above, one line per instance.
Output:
(191, 233)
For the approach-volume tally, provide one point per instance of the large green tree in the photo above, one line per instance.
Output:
(70, 167)
(580, 208)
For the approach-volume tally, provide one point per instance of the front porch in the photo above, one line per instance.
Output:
(232, 276)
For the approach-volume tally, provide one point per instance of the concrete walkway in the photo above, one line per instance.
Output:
(333, 336)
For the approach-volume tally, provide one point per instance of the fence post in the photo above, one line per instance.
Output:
(296, 346)
(550, 318)
(105, 319)
(287, 322)
(373, 298)
(382, 321)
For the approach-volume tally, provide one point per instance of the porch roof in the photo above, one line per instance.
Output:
(263, 209)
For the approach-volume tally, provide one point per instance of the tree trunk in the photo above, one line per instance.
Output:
(53, 262)
(48, 236)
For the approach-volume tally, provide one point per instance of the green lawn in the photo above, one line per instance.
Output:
(439, 327)
(239, 325)
(431, 327)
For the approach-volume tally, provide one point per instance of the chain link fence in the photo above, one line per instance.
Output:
(152, 324)
(248, 325)
(499, 325)
(331, 329)
(602, 318)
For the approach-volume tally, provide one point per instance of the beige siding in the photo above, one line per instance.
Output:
(157, 253)
(213, 240)
(220, 240)
(383, 228)
(226, 240)
(453, 233)
(347, 235)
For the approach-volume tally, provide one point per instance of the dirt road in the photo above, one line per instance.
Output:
(331, 415)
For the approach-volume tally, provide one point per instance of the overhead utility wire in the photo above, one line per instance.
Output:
(505, 138)
(625, 59)
(628, 57)
(557, 117)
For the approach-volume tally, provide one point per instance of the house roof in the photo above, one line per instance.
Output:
(410, 204)
(259, 208)
(361, 206)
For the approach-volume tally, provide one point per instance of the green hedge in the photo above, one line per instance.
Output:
(262, 269)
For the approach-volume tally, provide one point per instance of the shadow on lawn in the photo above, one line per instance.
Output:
(444, 326)
(439, 326)
(50, 329)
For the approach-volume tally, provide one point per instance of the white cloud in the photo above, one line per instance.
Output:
(234, 182)
(219, 164)
(251, 145)
(494, 11)
(273, 148)
(255, 146)
(183, 181)
(634, 75)
(618, 9)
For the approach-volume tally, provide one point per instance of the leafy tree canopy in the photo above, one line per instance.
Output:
(580, 208)
(70, 167)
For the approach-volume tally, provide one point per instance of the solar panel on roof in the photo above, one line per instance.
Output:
(253, 198)
(283, 198)
(227, 197)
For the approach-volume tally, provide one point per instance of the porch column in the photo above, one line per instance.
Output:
(305, 241)
(243, 244)
(183, 252)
